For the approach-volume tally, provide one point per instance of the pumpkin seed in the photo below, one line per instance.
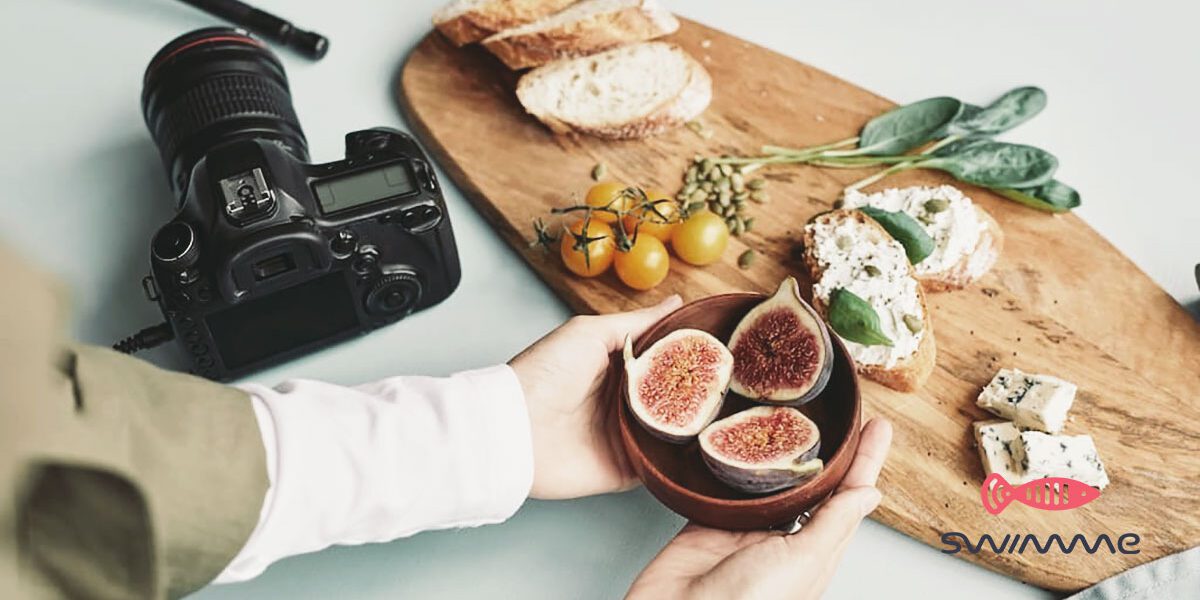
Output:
(690, 187)
(727, 170)
(739, 227)
(757, 184)
(746, 259)
(749, 223)
(723, 185)
(599, 171)
(872, 270)
(937, 205)
(724, 197)
(698, 196)
(759, 197)
(695, 207)
(913, 323)
(706, 165)
(737, 182)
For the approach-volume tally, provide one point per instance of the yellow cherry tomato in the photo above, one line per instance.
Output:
(701, 238)
(598, 256)
(645, 265)
(652, 221)
(608, 194)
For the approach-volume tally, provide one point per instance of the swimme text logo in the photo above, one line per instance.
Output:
(1049, 493)
(1016, 543)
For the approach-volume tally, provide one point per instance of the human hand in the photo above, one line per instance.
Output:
(577, 450)
(710, 563)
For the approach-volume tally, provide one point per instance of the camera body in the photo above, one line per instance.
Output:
(270, 257)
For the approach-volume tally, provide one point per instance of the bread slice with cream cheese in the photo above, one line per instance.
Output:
(967, 239)
(583, 28)
(467, 21)
(628, 92)
(847, 249)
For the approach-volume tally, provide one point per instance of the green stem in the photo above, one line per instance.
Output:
(946, 141)
(865, 161)
(810, 149)
(884, 173)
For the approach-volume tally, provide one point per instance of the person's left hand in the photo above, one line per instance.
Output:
(577, 450)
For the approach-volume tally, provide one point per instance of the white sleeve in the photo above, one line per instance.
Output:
(385, 460)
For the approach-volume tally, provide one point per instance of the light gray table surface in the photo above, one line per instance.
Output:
(83, 191)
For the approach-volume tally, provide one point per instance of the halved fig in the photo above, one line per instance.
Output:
(762, 449)
(781, 349)
(676, 387)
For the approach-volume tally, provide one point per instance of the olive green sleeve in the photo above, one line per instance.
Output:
(117, 479)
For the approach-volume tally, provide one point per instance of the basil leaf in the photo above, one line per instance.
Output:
(1012, 109)
(995, 164)
(902, 129)
(917, 243)
(1054, 196)
(854, 319)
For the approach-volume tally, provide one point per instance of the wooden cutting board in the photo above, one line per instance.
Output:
(1062, 300)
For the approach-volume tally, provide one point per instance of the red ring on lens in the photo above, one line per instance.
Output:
(192, 44)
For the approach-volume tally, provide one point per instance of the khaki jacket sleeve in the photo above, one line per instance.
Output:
(124, 480)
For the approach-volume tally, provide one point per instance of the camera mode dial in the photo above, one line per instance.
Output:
(394, 294)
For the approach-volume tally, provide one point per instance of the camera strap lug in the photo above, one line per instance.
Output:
(150, 288)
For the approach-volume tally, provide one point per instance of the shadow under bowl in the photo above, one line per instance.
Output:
(676, 474)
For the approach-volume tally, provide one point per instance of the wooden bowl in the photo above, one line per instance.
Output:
(676, 474)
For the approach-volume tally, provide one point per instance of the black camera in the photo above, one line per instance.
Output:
(270, 257)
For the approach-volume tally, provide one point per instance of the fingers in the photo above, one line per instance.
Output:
(613, 328)
(873, 448)
(835, 522)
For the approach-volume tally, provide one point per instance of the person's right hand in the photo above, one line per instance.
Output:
(710, 563)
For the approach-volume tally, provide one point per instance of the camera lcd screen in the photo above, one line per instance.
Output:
(357, 189)
(298, 316)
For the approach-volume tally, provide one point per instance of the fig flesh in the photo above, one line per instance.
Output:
(677, 386)
(782, 352)
(762, 449)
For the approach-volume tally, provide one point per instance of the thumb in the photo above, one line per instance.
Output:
(613, 328)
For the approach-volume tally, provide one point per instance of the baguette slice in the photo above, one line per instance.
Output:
(584, 28)
(906, 372)
(467, 21)
(628, 92)
(968, 240)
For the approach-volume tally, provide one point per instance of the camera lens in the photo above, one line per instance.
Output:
(213, 86)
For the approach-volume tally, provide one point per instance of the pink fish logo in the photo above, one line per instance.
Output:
(1047, 493)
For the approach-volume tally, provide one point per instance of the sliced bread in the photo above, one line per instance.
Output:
(967, 239)
(583, 28)
(466, 21)
(847, 249)
(628, 92)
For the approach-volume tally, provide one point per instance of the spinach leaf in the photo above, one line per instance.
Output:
(854, 319)
(995, 164)
(917, 243)
(902, 129)
(1012, 109)
(1053, 196)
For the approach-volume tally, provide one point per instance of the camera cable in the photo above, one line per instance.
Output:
(145, 339)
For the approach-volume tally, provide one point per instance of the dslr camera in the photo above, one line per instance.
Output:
(269, 256)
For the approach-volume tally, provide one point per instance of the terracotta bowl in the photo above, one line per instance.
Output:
(676, 474)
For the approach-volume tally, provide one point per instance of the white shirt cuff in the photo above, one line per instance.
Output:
(386, 460)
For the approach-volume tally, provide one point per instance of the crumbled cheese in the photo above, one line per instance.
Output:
(1031, 401)
(996, 440)
(1044, 455)
(955, 230)
(844, 250)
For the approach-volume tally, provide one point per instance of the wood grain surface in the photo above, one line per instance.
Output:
(1061, 300)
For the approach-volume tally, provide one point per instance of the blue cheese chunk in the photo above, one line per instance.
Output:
(1030, 401)
(1043, 455)
(996, 441)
